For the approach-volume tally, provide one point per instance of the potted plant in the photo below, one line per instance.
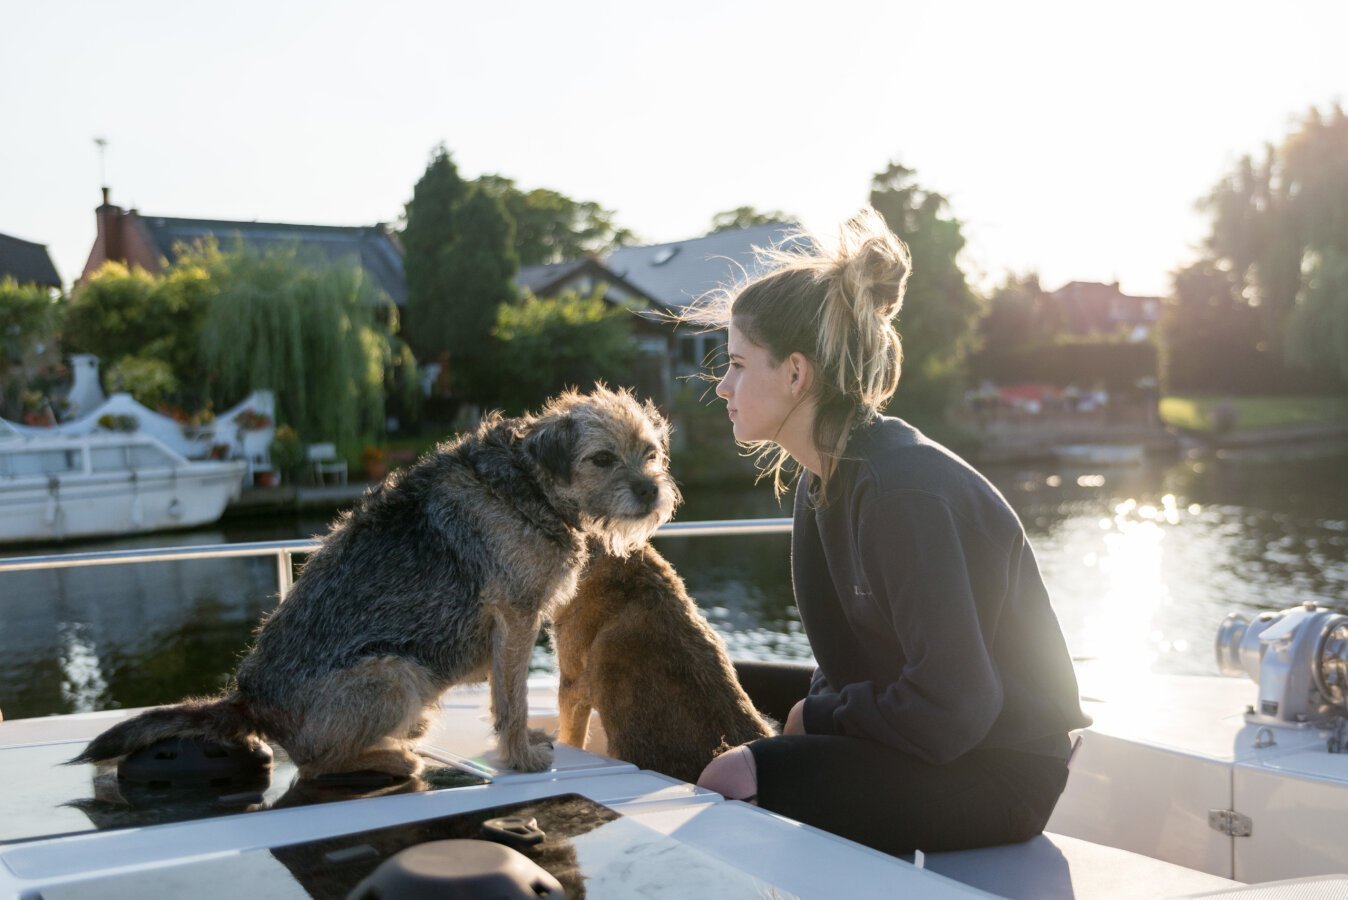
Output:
(115, 422)
(373, 462)
(286, 452)
(252, 420)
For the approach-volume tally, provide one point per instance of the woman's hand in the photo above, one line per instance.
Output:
(795, 720)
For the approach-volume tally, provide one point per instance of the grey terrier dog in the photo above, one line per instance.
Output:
(442, 575)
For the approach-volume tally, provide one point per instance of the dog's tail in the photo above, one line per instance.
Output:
(226, 719)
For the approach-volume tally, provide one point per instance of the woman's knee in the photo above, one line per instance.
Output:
(733, 775)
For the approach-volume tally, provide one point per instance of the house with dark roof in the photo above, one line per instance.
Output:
(654, 336)
(1090, 307)
(135, 239)
(27, 262)
(678, 274)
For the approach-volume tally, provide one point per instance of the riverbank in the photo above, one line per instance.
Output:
(1030, 441)
(265, 501)
(998, 443)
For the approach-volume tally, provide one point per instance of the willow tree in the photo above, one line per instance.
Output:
(310, 335)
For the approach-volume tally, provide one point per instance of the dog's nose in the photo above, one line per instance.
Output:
(644, 491)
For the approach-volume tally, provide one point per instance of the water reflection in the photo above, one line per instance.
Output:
(1142, 563)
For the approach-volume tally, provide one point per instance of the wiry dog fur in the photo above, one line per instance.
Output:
(441, 575)
(632, 645)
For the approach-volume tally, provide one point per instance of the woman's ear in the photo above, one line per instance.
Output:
(802, 373)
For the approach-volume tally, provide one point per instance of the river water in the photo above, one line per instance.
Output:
(1142, 562)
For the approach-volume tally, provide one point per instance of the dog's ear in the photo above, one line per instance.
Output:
(551, 442)
(660, 422)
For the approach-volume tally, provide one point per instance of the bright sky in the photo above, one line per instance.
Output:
(1072, 138)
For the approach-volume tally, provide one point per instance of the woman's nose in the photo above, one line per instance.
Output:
(722, 390)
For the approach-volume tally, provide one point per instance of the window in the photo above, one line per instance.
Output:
(109, 459)
(28, 463)
(145, 456)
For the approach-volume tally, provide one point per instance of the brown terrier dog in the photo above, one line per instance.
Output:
(632, 645)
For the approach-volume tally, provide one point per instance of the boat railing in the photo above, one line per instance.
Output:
(284, 552)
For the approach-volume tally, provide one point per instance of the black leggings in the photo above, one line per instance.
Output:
(889, 800)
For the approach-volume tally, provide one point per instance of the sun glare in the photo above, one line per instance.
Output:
(1120, 639)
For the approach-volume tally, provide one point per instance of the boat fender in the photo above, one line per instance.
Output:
(53, 501)
(175, 508)
(458, 868)
(137, 507)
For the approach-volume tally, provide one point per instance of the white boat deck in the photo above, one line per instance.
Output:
(1169, 751)
(1166, 758)
(678, 840)
(682, 841)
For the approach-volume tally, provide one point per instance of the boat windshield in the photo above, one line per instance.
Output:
(133, 456)
(24, 463)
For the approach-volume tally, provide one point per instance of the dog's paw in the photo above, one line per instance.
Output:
(533, 758)
(539, 736)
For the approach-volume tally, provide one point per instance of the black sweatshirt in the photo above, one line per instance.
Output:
(924, 606)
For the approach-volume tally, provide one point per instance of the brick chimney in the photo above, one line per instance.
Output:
(109, 242)
(110, 229)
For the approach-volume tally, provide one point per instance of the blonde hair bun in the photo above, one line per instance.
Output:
(871, 266)
(864, 276)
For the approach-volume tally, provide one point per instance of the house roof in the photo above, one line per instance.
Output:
(547, 278)
(373, 247)
(678, 273)
(27, 262)
(541, 278)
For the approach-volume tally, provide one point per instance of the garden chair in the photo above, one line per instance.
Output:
(324, 461)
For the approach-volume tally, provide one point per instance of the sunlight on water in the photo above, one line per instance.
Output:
(83, 685)
(1119, 634)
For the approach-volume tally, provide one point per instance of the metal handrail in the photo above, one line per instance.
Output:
(285, 551)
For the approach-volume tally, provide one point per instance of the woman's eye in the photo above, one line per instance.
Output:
(603, 459)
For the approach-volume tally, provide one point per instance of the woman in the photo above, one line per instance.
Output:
(938, 716)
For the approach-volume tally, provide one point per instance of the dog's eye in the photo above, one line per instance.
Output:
(652, 455)
(603, 459)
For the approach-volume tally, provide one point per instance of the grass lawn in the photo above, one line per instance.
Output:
(1198, 413)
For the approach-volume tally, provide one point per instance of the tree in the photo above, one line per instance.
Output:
(148, 327)
(312, 336)
(481, 265)
(1280, 229)
(461, 264)
(29, 314)
(1019, 313)
(551, 227)
(544, 346)
(940, 311)
(747, 217)
(431, 229)
(1211, 335)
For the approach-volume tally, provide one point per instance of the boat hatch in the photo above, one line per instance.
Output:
(46, 798)
(588, 847)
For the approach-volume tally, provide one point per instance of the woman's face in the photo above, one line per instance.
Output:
(758, 394)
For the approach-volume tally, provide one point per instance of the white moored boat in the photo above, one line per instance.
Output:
(1173, 792)
(59, 486)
